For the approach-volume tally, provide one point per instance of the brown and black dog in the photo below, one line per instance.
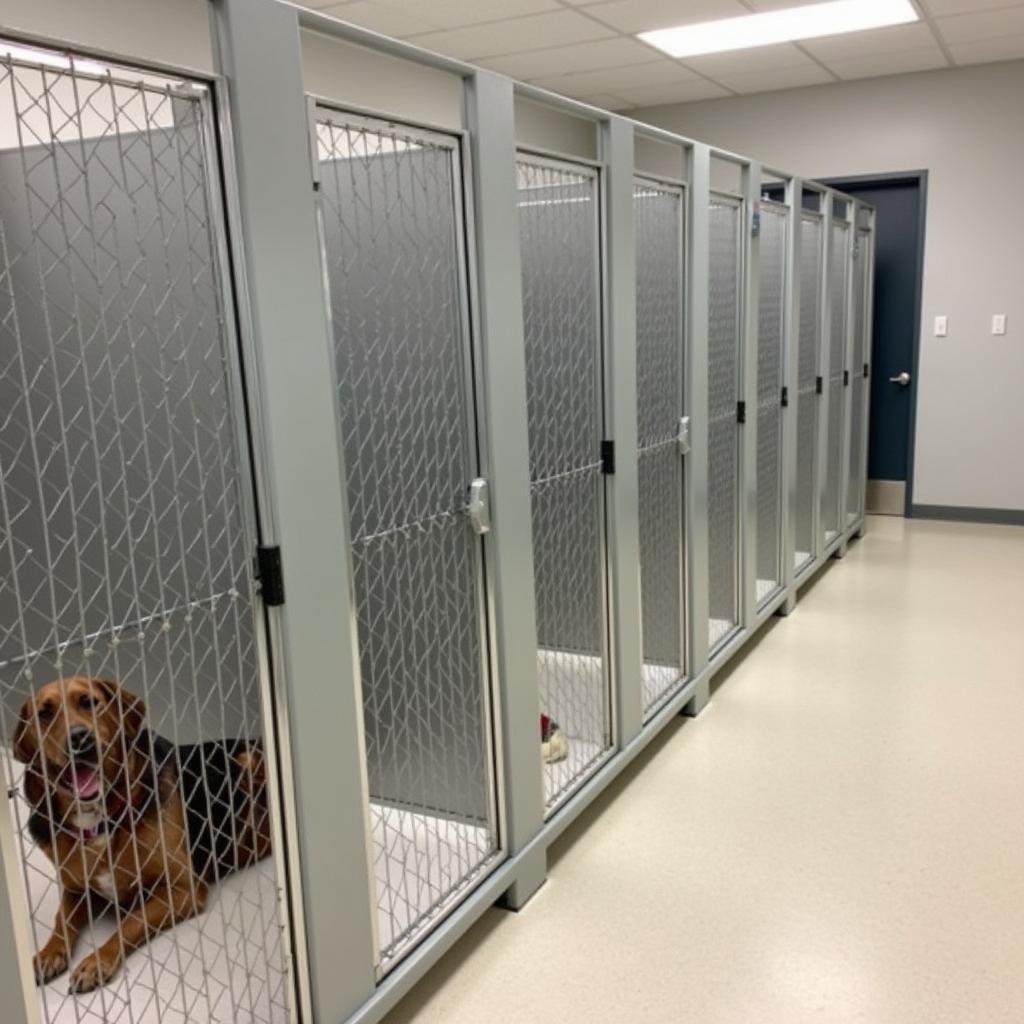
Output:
(130, 820)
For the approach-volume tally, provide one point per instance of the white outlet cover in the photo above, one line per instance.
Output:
(940, 326)
(998, 323)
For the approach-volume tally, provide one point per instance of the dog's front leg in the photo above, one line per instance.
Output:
(52, 960)
(169, 905)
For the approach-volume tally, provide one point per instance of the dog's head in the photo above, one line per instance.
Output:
(75, 732)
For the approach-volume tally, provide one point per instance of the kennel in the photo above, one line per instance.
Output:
(837, 376)
(662, 433)
(129, 530)
(725, 331)
(805, 509)
(560, 252)
(771, 340)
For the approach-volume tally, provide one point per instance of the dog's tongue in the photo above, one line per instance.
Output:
(87, 782)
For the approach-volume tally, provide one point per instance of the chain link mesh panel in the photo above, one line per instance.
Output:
(389, 205)
(560, 254)
(127, 633)
(858, 357)
(838, 267)
(725, 268)
(771, 324)
(806, 399)
(659, 219)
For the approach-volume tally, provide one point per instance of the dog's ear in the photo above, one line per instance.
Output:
(26, 735)
(131, 709)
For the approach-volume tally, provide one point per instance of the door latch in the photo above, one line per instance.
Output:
(479, 507)
(683, 437)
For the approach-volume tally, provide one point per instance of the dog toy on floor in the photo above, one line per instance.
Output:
(553, 744)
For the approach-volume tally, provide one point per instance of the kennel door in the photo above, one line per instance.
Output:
(394, 251)
(128, 523)
(858, 388)
(839, 263)
(559, 233)
(659, 221)
(808, 348)
(725, 272)
(770, 340)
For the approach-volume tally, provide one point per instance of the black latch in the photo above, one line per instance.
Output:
(608, 457)
(270, 575)
(741, 412)
(819, 385)
(846, 378)
(785, 397)
(865, 371)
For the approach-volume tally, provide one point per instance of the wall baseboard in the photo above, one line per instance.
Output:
(966, 514)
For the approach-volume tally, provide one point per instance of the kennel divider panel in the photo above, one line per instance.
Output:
(660, 355)
(125, 486)
(809, 338)
(724, 378)
(770, 362)
(858, 358)
(839, 262)
(391, 207)
(560, 246)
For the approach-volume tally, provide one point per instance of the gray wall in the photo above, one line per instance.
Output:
(962, 125)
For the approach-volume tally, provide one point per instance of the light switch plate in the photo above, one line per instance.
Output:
(940, 327)
(998, 323)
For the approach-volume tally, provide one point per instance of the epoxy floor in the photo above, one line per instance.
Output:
(838, 838)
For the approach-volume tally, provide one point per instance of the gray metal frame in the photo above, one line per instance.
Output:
(275, 256)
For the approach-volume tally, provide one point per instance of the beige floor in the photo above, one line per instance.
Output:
(838, 838)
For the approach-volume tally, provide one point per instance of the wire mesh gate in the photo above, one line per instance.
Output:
(660, 287)
(132, 684)
(858, 374)
(839, 262)
(809, 346)
(725, 272)
(770, 340)
(391, 212)
(560, 250)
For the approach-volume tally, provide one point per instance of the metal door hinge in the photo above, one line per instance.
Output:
(785, 398)
(683, 437)
(741, 412)
(270, 574)
(608, 457)
(865, 371)
(479, 510)
(846, 378)
(819, 385)
(755, 222)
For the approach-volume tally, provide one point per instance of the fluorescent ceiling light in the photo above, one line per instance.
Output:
(30, 55)
(810, 22)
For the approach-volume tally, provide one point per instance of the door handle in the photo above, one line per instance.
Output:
(683, 436)
(903, 379)
(479, 507)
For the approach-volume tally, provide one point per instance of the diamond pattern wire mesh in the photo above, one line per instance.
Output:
(723, 430)
(561, 321)
(659, 366)
(854, 490)
(771, 323)
(840, 256)
(806, 399)
(127, 532)
(394, 265)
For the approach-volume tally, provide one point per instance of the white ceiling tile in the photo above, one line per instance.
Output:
(562, 60)
(606, 101)
(644, 15)
(319, 4)
(613, 80)
(443, 14)
(379, 18)
(772, 5)
(940, 8)
(780, 78)
(872, 65)
(988, 50)
(760, 58)
(514, 35)
(971, 28)
(682, 92)
(898, 39)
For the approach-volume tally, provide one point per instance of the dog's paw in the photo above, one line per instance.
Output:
(90, 973)
(49, 964)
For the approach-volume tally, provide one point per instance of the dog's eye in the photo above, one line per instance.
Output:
(86, 702)
(45, 712)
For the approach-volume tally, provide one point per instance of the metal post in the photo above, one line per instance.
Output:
(748, 393)
(791, 380)
(824, 337)
(491, 124)
(256, 43)
(696, 463)
(846, 425)
(621, 425)
(21, 1004)
(869, 314)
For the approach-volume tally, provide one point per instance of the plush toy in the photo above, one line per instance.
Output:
(553, 744)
